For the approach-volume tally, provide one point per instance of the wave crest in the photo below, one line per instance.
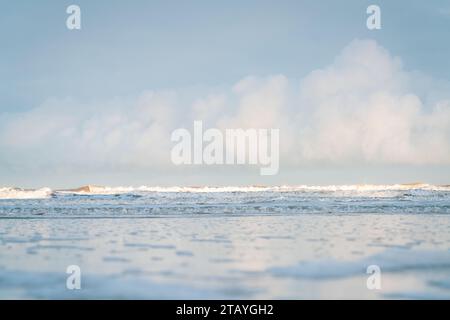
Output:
(17, 193)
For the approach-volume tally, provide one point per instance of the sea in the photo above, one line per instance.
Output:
(235, 242)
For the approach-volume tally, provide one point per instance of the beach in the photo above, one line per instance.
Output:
(228, 244)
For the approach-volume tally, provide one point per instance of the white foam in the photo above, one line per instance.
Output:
(390, 260)
(16, 193)
(285, 188)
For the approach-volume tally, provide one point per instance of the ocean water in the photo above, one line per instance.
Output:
(255, 242)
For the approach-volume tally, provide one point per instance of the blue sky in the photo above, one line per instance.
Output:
(126, 48)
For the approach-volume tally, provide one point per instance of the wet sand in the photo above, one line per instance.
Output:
(237, 257)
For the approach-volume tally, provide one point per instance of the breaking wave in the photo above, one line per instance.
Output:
(18, 193)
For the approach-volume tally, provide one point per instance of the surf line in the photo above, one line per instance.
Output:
(231, 147)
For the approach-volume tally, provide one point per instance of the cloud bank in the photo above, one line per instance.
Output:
(363, 108)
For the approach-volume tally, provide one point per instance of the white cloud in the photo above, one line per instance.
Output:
(363, 108)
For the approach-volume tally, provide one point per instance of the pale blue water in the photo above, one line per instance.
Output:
(144, 201)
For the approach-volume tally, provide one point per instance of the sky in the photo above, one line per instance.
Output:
(98, 105)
